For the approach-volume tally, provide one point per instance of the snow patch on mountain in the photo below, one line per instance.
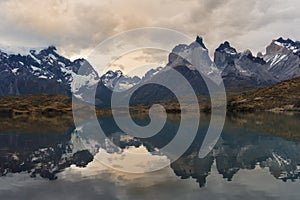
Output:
(277, 58)
(116, 80)
(15, 70)
(80, 82)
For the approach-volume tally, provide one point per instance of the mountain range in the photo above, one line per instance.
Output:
(46, 71)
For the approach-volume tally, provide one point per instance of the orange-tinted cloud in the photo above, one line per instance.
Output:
(76, 26)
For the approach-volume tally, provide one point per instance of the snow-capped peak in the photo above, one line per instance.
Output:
(116, 80)
(289, 44)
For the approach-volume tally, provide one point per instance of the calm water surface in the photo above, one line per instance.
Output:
(257, 156)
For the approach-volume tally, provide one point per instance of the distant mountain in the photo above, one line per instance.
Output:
(193, 55)
(120, 83)
(243, 70)
(45, 71)
(180, 59)
(283, 59)
(151, 73)
(240, 70)
(117, 80)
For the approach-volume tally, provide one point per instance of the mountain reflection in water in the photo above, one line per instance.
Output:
(248, 141)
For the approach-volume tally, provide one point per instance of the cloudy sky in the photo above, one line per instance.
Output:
(77, 26)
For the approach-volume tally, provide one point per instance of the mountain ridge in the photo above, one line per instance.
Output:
(48, 72)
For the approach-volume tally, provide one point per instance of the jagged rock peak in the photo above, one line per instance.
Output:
(283, 41)
(110, 73)
(247, 53)
(49, 49)
(250, 56)
(289, 44)
(52, 48)
(259, 55)
(225, 47)
(199, 40)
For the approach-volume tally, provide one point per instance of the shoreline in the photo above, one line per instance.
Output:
(49, 105)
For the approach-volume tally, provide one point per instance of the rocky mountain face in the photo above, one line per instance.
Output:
(183, 59)
(42, 72)
(120, 83)
(225, 55)
(283, 59)
(239, 70)
(46, 71)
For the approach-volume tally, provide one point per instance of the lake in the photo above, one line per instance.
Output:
(256, 157)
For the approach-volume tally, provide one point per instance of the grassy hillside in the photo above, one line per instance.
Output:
(284, 96)
(37, 104)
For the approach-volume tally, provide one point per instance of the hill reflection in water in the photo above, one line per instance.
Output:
(248, 141)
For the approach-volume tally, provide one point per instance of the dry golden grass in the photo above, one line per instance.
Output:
(284, 96)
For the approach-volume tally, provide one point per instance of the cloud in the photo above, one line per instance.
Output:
(244, 23)
(140, 61)
(78, 26)
(71, 25)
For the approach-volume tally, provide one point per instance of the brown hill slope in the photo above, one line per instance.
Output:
(35, 104)
(284, 96)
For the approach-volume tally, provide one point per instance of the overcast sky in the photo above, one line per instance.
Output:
(76, 26)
